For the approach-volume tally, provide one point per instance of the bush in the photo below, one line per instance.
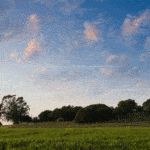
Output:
(1, 124)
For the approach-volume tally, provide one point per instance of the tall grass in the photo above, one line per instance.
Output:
(74, 136)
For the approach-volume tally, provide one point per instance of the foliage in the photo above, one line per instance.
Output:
(56, 114)
(94, 113)
(13, 109)
(35, 119)
(46, 116)
(26, 118)
(146, 106)
(126, 107)
(68, 113)
(138, 116)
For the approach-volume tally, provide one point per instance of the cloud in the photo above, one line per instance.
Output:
(41, 70)
(90, 32)
(49, 3)
(12, 55)
(32, 48)
(140, 84)
(145, 56)
(114, 60)
(120, 67)
(72, 6)
(132, 25)
(32, 25)
(68, 6)
(107, 71)
(19, 61)
(147, 44)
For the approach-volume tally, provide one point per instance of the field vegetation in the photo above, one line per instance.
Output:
(75, 136)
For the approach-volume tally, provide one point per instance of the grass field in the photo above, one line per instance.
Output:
(72, 136)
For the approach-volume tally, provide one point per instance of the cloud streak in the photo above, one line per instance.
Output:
(114, 60)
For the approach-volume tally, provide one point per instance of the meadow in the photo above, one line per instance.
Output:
(73, 136)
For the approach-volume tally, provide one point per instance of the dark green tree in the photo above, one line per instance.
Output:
(80, 116)
(26, 118)
(13, 109)
(56, 113)
(94, 113)
(45, 116)
(68, 113)
(146, 106)
(36, 119)
(126, 107)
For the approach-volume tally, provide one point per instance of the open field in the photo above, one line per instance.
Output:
(71, 136)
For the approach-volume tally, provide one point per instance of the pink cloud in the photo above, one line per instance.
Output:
(32, 25)
(107, 71)
(116, 60)
(12, 55)
(19, 61)
(41, 70)
(32, 48)
(131, 26)
(90, 32)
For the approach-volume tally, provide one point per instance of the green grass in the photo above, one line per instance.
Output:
(72, 136)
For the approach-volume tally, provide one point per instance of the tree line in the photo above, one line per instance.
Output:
(17, 111)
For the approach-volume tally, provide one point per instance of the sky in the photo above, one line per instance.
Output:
(56, 53)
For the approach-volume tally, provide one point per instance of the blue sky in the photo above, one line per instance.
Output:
(74, 52)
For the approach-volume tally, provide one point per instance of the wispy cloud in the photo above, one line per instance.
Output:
(41, 70)
(132, 24)
(72, 6)
(146, 55)
(120, 66)
(107, 71)
(19, 61)
(116, 60)
(32, 25)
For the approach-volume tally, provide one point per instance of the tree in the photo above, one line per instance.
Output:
(36, 119)
(146, 106)
(80, 116)
(13, 109)
(26, 118)
(45, 116)
(56, 114)
(94, 113)
(126, 107)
